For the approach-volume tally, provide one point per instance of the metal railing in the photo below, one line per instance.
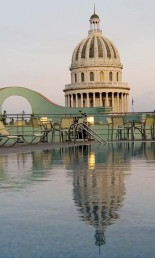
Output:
(22, 122)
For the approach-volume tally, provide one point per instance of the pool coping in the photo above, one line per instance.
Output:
(21, 148)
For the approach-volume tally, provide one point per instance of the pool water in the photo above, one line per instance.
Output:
(78, 202)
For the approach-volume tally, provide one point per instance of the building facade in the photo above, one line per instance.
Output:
(96, 73)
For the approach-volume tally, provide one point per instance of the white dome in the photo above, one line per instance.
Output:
(95, 50)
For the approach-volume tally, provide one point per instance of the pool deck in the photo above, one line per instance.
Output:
(21, 148)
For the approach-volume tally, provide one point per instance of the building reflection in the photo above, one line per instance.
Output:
(98, 182)
(98, 187)
(97, 173)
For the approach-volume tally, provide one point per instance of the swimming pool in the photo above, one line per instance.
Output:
(76, 202)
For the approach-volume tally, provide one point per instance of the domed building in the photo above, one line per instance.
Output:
(96, 73)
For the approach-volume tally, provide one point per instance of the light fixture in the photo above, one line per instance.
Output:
(44, 120)
(90, 120)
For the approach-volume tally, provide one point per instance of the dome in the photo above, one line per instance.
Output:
(94, 16)
(95, 49)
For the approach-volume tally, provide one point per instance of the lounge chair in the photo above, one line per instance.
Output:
(6, 136)
(42, 127)
(40, 132)
(64, 127)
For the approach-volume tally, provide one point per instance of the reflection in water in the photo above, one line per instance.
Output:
(98, 180)
(97, 173)
(20, 170)
(98, 189)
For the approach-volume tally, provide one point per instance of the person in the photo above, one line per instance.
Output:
(4, 117)
(11, 121)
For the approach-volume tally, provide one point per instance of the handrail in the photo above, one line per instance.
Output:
(73, 129)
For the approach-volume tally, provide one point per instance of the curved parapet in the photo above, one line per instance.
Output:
(39, 103)
(42, 105)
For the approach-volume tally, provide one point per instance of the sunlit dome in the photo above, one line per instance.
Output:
(95, 49)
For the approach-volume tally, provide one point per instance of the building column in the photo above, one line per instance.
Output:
(122, 102)
(127, 102)
(71, 100)
(65, 100)
(106, 100)
(76, 100)
(88, 100)
(112, 98)
(100, 99)
(81, 99)
(94, 100)
(118, 106)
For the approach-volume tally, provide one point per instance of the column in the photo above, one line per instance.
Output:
(72, 100)
(88, 100)
(112, 98)
(106, 100)
(81, 99)
(100, 99)
(127, 103)
(65, 100)
(118, 106)
(76, 100)
(94, 102)
(122, 102)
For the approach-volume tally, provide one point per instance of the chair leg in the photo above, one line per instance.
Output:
(15, 141)
(112, 134)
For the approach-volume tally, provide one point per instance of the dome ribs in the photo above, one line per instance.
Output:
(91, 49)
(113, 50)
(107, 48)
(83, 53)
(77, 53)
(100, 50)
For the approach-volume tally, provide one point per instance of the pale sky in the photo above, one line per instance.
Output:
(37, 39)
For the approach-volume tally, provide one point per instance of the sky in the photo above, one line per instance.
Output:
(38, 37)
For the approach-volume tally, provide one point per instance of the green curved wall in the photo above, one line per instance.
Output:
(40, 104)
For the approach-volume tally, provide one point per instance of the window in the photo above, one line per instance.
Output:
(82, 77)
(110, 76)
(91, 76)
(101, 76)
(75, 77)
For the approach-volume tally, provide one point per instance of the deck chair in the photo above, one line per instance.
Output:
(64, 127)
(148, 127)
(119, 128)
(30, 137)
(7, 136)
(38, 132)
(47, 127)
